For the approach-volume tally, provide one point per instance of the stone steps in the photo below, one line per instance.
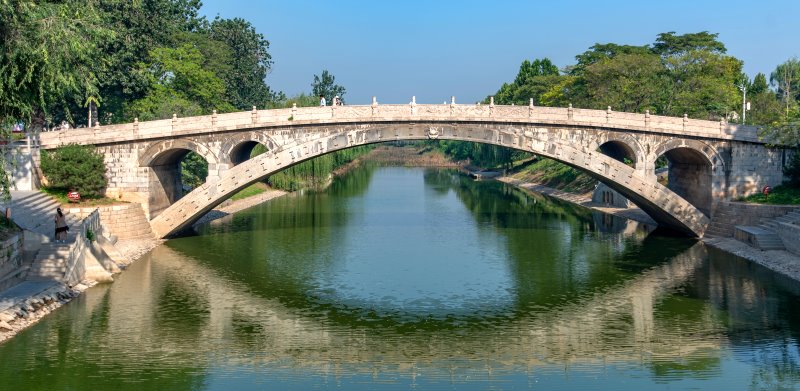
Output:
(759, 237)
(50, 263)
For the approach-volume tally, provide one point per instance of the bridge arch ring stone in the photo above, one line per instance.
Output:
(629, 140)
(235, 140)
(707, 150)
(152, 152)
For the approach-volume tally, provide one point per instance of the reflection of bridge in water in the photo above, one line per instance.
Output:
(618, 325)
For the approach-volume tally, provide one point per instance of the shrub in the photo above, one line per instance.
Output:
(792, 170)
(77, 167)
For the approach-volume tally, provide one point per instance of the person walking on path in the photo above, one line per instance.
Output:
(322, 100)
(61, 227)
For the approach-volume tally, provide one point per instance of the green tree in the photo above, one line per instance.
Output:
(301, 100)
(786, 78)
(250, 62)
(180, 85)
(604, 51)
(533, 79)
(77, 167)
(765, 108)
(194, 170)
(141, 26)
(627, 82)
(792, 170)
(45, 55)
(759, 84)
(45, 58)
(702, 84)
(669, 45)
(325, 85)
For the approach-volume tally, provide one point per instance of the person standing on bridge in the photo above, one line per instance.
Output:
(322, 100)
(61, 227)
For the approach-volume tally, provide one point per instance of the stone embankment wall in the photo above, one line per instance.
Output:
(11, 261)
(126, 221)
(730, 214)
(30, 311)
(789, 234)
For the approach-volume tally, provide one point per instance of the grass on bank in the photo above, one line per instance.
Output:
(61, 196)
(249, 191)
(780, 195)
(557, 175)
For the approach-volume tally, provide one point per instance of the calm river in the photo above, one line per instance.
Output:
(399, 278)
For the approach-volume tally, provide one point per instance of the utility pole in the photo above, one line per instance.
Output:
(744, 103)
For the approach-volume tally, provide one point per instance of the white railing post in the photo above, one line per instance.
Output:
(530, 108)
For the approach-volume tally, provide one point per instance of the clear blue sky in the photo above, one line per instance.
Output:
(437, 48)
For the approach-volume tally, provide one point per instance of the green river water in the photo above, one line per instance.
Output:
(408, 278)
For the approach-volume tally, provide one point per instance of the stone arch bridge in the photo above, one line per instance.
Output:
(708, 161)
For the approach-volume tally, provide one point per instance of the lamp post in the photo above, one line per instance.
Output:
(743, 87)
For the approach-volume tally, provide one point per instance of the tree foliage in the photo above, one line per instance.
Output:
(194, 170)
(180, 85)
(676, 75)
(325, 85)
(533, 79)
(792, 170)
(786, 78)
(77, 167)
(669, 45)
(47, 57)
(250, 62)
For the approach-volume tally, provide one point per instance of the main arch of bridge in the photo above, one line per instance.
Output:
(580, 149)
(709, 161)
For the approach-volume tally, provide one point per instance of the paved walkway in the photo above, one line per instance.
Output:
(34, 211)
(17, 294)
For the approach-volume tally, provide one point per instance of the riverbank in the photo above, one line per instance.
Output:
(585, 200)
(780, 261)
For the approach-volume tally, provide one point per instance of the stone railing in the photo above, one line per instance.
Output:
(178, 127)
(75, 261)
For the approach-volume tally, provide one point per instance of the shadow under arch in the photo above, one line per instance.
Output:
(663, 205)
(691, 168)
(164, 162)
(237, 149)
(622, 146)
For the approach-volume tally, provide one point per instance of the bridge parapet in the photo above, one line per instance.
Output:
(183, 127)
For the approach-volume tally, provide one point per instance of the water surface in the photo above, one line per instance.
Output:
(405, 278)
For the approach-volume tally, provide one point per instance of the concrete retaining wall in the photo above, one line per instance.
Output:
(742, 213)
(11, 261)
(125, 221)
(790, 236)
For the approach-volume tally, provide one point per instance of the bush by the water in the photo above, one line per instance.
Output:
(77, 167)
